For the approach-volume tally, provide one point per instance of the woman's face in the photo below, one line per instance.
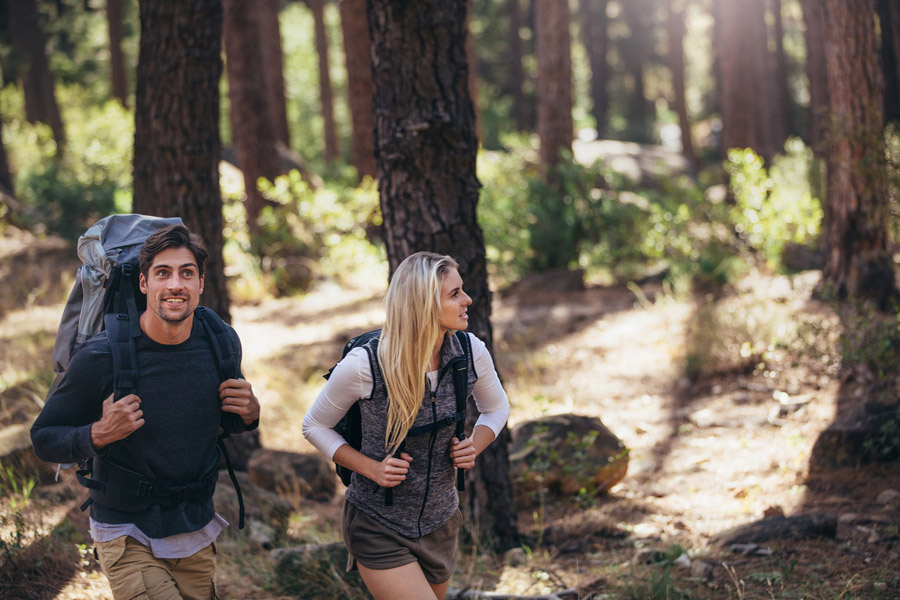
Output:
(454, 302)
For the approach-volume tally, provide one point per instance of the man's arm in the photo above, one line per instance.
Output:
(240, 407)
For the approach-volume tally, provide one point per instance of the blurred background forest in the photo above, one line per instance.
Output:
(671, 160)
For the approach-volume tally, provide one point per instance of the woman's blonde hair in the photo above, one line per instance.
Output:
(411, 331)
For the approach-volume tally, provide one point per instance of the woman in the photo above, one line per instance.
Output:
(404, 543)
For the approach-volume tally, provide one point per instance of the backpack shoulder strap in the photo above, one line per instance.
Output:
(124, 354)
(461, 387)
(216, 332)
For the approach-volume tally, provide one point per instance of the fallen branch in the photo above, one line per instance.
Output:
(455, 594)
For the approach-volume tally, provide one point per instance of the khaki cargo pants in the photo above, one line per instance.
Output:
(135, 574)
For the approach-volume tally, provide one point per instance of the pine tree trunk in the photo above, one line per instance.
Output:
(554, 124)
(675, 26)
(472, 57)
(593, 24)
(857, 263)
(27, 38)
(889, 19)
(273, 64)
(176, 139)
(252, 126)
(355, 29)
(516, 73)
(781, 122)
(814, 19)
(425, 146)
(117, 74)
(332, 152)
(746, 91)
(634, 50)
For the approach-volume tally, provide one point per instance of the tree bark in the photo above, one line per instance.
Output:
(28, 41)
(857, 262)
(176, 139)
(117, 74)
(593, 22)
(273, 65)
(355, 29)
(516, 73)
(889, 18)
(554, 124)
(332, 151)
(251, 122)
(425, 146)
(814, 19)
(472, 57)
(676, 26)
(746, 91)
(781, 121)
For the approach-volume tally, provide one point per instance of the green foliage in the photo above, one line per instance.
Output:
(777, 207)
(304, 234)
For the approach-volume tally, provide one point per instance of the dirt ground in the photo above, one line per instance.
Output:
(706, 454)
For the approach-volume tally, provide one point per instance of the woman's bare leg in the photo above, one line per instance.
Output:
(400, 583)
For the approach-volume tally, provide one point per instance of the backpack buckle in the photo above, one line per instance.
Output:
(144, 488)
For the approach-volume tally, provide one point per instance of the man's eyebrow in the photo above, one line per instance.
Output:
(185, 265)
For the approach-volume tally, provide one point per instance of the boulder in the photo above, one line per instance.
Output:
(260, 505)
(240, 447)
(563, 454)
(309, 475)
(16, 453)
(316, 571)
(856, 438)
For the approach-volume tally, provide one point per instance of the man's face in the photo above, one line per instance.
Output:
(173, 285)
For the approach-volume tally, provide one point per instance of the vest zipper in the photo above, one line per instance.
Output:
(430, 456)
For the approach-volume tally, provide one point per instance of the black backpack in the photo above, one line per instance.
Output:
(106, 295)
(350, 425)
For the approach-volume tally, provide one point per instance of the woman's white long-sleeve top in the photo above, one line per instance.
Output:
(352, 380)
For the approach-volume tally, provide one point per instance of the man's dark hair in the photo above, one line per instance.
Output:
(173, 236)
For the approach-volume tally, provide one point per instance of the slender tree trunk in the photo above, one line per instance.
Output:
(858, 263)
(332, 152)
(746, 115)
(781, 121)
(516, 73)
(118, 76)
(593, 24)
(6, 180)
(634, 50)
(176, 138)
(273, 65)
(554, 123)
(814, 19)
(718, 45)
(251, 122)
(27, 38)
(889, 19)
(676, 28)
(355, 28)
(425, 146)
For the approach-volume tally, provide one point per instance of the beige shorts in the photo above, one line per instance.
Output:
(377, 547)
(135, 574)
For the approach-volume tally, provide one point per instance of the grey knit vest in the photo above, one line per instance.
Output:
(427, 498)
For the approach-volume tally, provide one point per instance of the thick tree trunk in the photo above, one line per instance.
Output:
(176, 139)
(746, 115)
(781, 121)
(273, 64)
(593, 24)
(251, 122)
(425, 146)
(675, 28)
(554, 124)
(332, 151)
(472, 57)
(634, 50)
(355, 28)
(117, 74)
(814, 19)
(889, 18)
(27, 38)
(857, 263)
(516, 73)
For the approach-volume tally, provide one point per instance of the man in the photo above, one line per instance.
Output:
(154, 524)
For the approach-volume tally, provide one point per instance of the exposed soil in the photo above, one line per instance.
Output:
(705, 455)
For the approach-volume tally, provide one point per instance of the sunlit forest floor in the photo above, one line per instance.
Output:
(707, 453)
